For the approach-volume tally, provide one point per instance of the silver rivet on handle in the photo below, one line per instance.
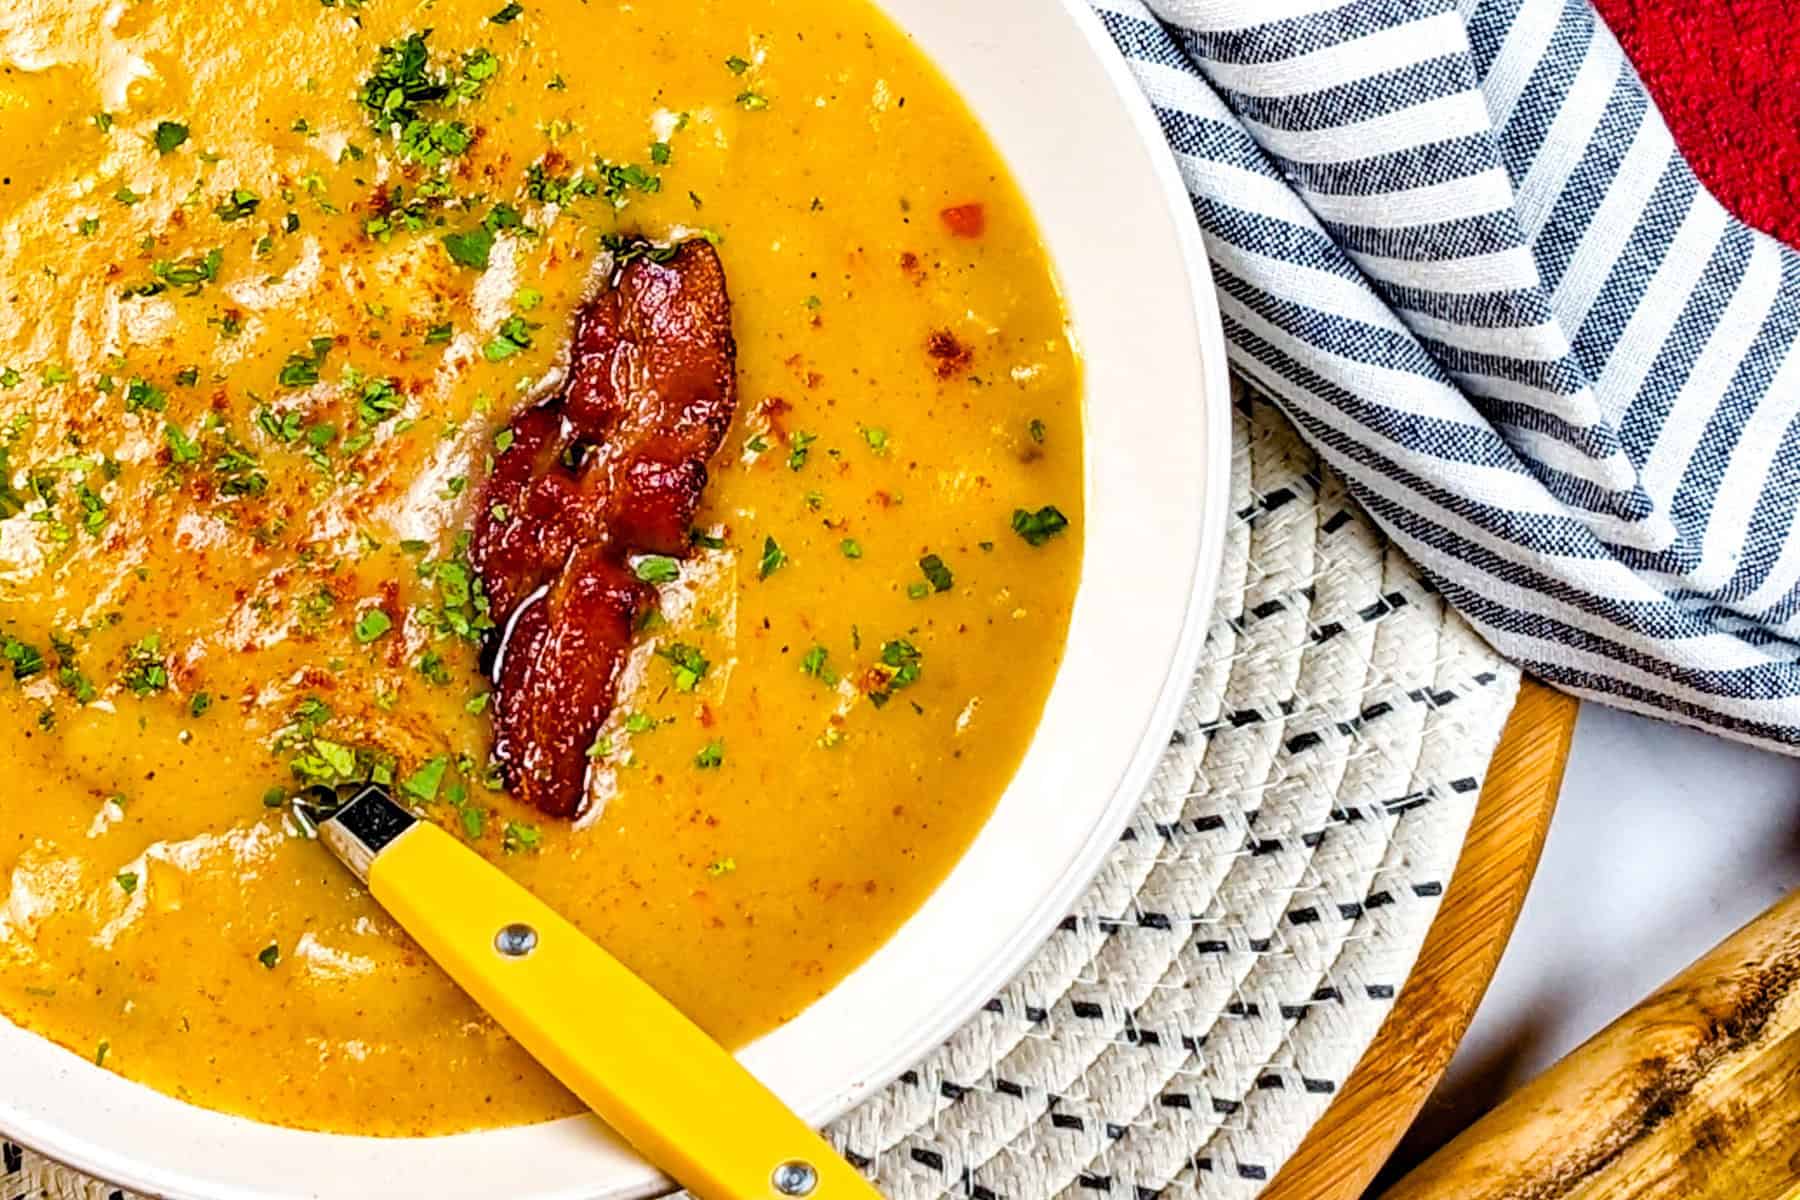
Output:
(795, 1178)
(516, 940)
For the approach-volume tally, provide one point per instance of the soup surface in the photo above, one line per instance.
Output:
(275, 274)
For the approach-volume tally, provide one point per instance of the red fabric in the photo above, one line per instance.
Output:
(1726, 74)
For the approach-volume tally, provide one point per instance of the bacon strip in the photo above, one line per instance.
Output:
(612, 465)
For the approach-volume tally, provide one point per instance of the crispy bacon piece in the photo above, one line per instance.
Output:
(612, 465)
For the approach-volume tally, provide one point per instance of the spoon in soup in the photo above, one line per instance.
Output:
(643, 1067)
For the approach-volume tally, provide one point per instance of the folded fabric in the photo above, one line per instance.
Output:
(1458, 244)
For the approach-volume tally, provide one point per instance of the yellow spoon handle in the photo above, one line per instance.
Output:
(643, 1067)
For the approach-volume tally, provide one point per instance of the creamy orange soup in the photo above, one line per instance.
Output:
(257, 344)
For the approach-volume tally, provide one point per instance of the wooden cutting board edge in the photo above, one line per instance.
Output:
(1342, 1154)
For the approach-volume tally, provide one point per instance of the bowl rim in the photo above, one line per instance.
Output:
(1028, 938)
(91, 1155)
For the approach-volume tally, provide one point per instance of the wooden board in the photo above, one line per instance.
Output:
(1343, 1152)
(1692, 1095)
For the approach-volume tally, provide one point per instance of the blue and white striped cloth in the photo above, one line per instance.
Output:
(1458, 245)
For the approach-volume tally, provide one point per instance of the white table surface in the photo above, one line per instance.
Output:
(1664, 841)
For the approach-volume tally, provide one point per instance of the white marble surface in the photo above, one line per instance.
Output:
(1664, 841)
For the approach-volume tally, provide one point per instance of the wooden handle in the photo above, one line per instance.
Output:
(1692, 1095)
(643, 1067)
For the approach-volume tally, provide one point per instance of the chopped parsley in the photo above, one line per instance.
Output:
(378, 400)
(851, 548)
(463, 606)
(303, 366)
(402, 84)
(27, 660)
(431, 666)
(1040, 526)
(237, 205)
(657, 568)
(711, 755)
(470, 248)
(371, 625)
(423, 784)
(184, 451)
(1036, 430)
(773, 558)
(752, 101)
(519, 837)
(542, 186)
(192, 273)
(619, 180)
(199, 704)
(937, 573)
(900, 667)
(877, 439)
(506, 16)
(737, 65)
(142, 396)
(68, 677)
(269, 955)
(687, 663)
(406, 88)
(513, 337)
(127, 881)
(799, 446)
(815, 664)
(145, 670)
(169, 135)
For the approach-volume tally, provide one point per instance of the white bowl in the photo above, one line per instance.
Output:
(1067, 117)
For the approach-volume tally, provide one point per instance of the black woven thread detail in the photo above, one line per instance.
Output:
(1310, 739)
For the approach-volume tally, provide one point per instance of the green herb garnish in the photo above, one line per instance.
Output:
(1040, 526)
(657, 568)
(773, 558)
(169, 135)
(687, 663)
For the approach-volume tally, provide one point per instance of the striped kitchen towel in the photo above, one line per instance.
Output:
(1458, 245)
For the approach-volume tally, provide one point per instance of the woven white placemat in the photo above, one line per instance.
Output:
(1187, 1024)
